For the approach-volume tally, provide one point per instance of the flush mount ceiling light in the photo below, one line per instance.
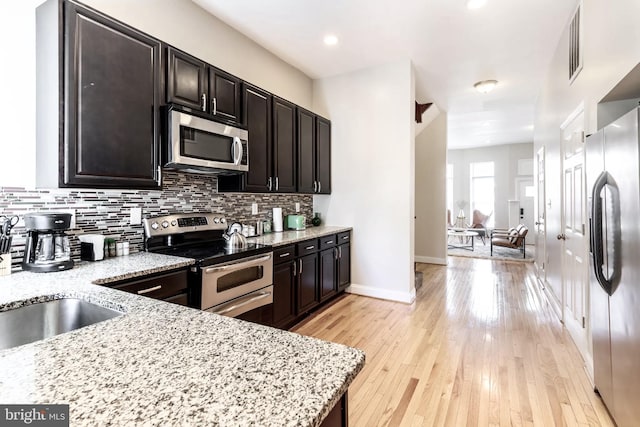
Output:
(475, 4)
(485, 86)
(331, 40)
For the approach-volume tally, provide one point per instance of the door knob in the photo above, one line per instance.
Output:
(537, 223)
(561, 237)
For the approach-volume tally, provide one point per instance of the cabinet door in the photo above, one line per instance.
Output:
(284, 146)
(112, 103)
(306, 155)
(344, 266)
(307, 282)
(186, 80)
(257, 115)
(323, 155)
(284, 303)
(224, 95)
(327, 277)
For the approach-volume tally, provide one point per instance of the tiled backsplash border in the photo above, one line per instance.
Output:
(107, 211)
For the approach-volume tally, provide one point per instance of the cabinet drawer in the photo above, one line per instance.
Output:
(328, 241)
(307, 247)
(284, 254)
(344, 237)
(158, 287)
(182, 299)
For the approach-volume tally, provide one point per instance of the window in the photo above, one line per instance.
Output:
(450, 190)
(482, 188)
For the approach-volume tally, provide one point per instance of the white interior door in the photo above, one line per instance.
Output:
(540, 214)
(575, 262)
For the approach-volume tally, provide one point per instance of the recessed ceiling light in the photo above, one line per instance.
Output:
(485, 86)
(475, 4)
(331, 40)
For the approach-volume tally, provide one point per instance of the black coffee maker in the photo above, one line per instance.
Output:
(47, 247)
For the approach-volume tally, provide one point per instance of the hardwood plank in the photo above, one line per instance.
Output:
(480, 346)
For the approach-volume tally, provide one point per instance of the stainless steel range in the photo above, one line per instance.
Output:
(224, 280)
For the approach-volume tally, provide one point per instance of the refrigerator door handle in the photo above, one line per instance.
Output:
(605, 180)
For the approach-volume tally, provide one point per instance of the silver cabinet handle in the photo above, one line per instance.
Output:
(214, 104)
(146, 291)
(315, 186)
(340, 252)
(345, 237)
(295, 268)
(276, 183)
(270, 183)
(300, 265)
(159, 175)
(319, 186)
(248, 262)
(335, 253)
(329, 242)
(285, 254)
(310, 247)
(204, 102)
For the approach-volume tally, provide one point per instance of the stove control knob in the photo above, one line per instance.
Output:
(165, 224)
(222, 220)
(154, 225)
(216, 220)
(174, 222)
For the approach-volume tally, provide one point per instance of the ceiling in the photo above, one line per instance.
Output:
(451, 47)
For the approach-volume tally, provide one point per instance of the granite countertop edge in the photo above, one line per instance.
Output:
(288, 237)
(60, 368)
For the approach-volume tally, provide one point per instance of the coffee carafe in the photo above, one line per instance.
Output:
(47, 247)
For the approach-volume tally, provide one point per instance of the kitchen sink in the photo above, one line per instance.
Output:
(43, 320)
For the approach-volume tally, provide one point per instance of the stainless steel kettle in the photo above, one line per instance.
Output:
(234, 238)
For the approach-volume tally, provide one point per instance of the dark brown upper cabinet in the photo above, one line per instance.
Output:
(224, 95)
(186, 80)
(284, 146)
(314, 153)
(102, 100)
(323, 155)
(257, 113)
(202, 87)
(306, 151)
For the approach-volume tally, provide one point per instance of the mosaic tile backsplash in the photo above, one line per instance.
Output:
(107, 211)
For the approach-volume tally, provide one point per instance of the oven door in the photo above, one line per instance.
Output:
(223, 283)
(202, 145)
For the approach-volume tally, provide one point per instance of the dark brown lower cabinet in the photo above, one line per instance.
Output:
(307, 283)
(344, 266)
(328, 269)
(339, 415)
(284, 285)
(170, 287)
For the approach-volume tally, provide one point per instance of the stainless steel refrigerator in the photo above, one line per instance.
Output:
(613, 177)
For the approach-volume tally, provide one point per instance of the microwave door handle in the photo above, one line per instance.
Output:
(237, 154)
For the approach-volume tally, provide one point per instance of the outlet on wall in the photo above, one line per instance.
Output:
(297, 207)
(135, 216)
(254, 209)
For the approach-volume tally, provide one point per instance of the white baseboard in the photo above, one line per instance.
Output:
(430, 260)
(387, 294)
(553, 301)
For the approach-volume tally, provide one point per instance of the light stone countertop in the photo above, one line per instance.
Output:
(165, 364)
(292, 236)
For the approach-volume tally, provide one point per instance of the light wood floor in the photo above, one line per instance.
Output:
(479, 347)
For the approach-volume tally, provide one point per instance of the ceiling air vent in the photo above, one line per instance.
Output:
(575, 44)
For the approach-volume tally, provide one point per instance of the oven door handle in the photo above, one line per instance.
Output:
(242, 304)
(244, 263)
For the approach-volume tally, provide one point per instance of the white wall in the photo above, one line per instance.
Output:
(373, 181)
(505, 158)
(431, 161)
(180, 23)
(611, 49)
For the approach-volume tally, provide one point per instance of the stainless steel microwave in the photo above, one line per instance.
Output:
(197, 144)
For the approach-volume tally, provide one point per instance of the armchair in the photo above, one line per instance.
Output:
(479, 223)
(513, 238)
